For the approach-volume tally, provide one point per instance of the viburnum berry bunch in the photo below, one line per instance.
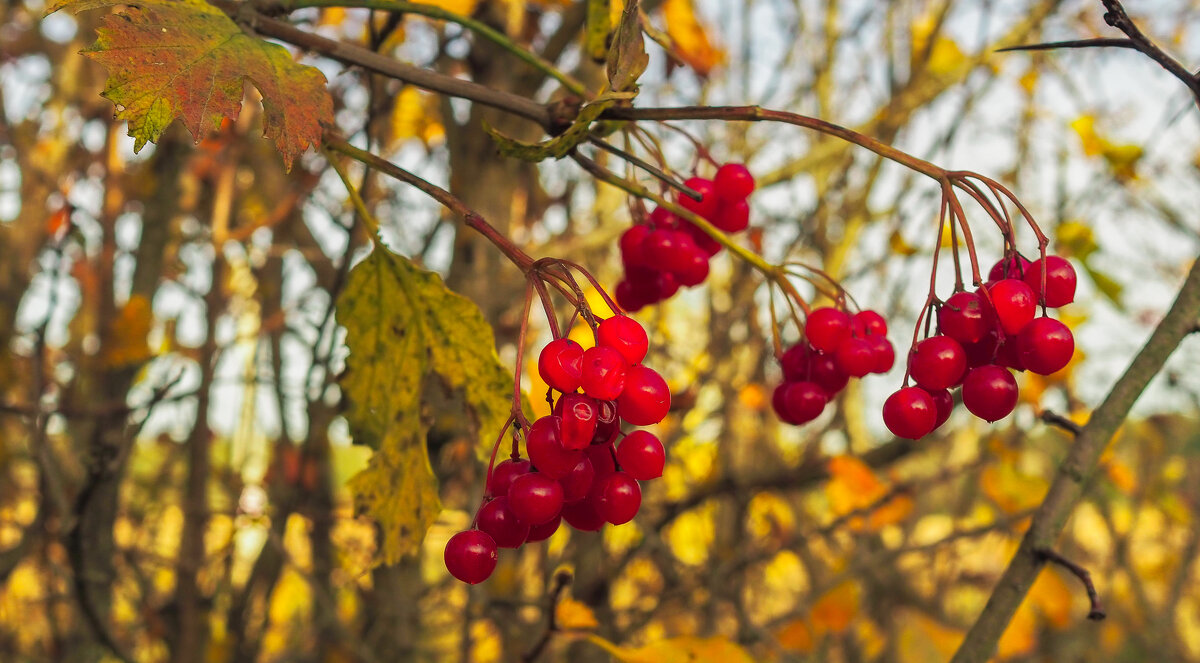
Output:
(579, 465)
(837, 347)
(984, 334)
(666, 252)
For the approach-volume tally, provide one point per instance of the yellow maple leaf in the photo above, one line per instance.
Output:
(690, 37)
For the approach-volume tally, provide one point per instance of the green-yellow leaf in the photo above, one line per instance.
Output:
(562, 144)
(598, 28)
(187, 59)
(404, 328)
(627, 59)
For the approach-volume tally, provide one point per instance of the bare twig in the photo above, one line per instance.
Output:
(1108, 42)
(1096, 613)
(561, 580)
(1055, 419)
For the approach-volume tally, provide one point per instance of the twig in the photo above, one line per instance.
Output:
(1116, 16)
(561, 579)
(1096, 613)
(1055, 419)
(644, 165)
(1109, 42)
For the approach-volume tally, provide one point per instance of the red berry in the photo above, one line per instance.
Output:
(1009, 355)
(632, 296)
(498, 520)
(503, 474)
(1060, 280)
(618, 498)
(578, 414)
(1045, 346)
(798, 403)
(695, 271)
(856, 357)
(868, 323)
(1012, 303)
(661, 246)
(646, 399)
(937, 362)
(543, 531)
(607, 423)
(826, 328)
(601, 456)
(561, 364)
(795, 362)
(578, 482)
(983, 351)
(604, 372)
(910, 413)
(883, 355)
(545, 448)
(707, 205)
(582, 515)
(828, 375)
(990, 392)
(1012, 266)
(641, 455)
(633, 243)
(662, 218)
(666, 285)
(733, 182)
(963, 317)
(731, 216)
(681, 259)
(708, 245)
(471, 556)
(535, 498)
(943, 402)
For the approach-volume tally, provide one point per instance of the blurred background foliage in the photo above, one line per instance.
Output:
(172, 449)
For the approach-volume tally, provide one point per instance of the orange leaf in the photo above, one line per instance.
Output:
(126, 342)
(689, 36)
(833, 612)
(795, 636)
(572, 614)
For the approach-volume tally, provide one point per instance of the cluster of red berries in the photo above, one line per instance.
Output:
(838, 347)
(576, 471)
(982, 337)
(668, 252)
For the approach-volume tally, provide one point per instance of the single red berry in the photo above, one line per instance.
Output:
(983, 351)
(633, 243)
(471, 556)
(1060, 280)
(578, 414)
(561, 364)
(607, 422)
(578, 482)
(828, 375)
(943, 402)
(883, 355)
(535, 498)
(855, 356)
(667, 285)
(868, 323)
(641, 455)
(795, 362)
(798, 403)
(937, 362)
(604, 372)
(733, 182)
(732, 216)
(632, 296)
(910, 413)
(963, 317)
(1012, 303)
(543, 531)
(1045, 346)
(710, 246)
(990, 392)
(695, 271)
(503, 474)
(660, 247)
(681, 259)
(545, 448)
(826, 328)
(601, 456)
(618, 498)
(498, 520)
(662, 218)
(707, 205)
(646, 399)
(1012, 266)
(582, 515)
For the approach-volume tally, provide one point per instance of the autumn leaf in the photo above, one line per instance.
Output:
(689, 36)
(835, 610)
(402, 327)
(571, 614)
(187, 59)
(627, 59)
(126, 340)
(677, 650)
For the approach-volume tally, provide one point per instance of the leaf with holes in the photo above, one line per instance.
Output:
(187, 59)
(403, 329)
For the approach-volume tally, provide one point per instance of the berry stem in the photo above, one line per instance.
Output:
(517, 413)
(942, 217)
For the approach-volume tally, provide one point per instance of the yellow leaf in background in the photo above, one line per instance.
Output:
(1020, 637)
(1085, 126)
(899, 245)
(795, 636)
(1053, 598)
(836, 609)
(1010, 490)
(1077, 238)
(677, 650)
(1122, 158)
(690, 37)
(945, 57)
(923, 638)
(331, 16)
(413, 116)
(1029, 80)
(572, 614)
(853, 485)
(463, 7)
(126, 342)
(895, 510)
(754, 397)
